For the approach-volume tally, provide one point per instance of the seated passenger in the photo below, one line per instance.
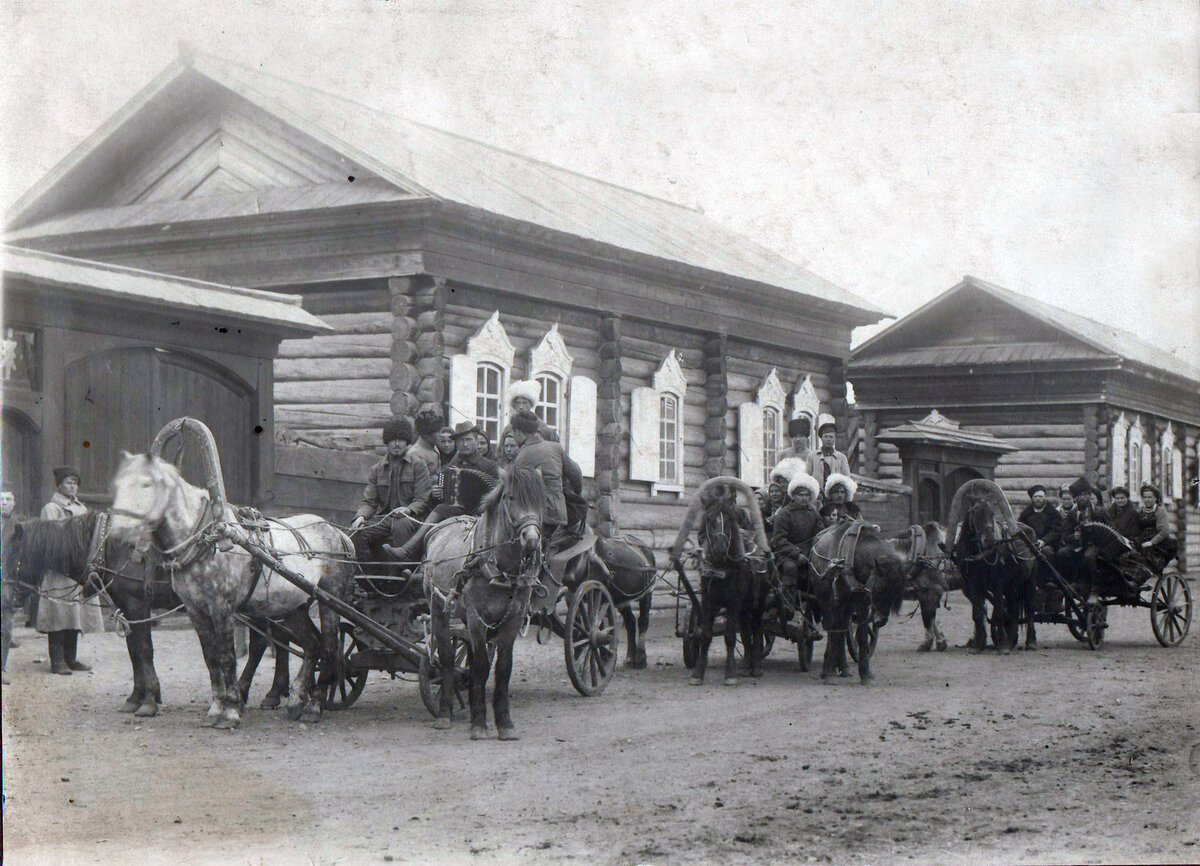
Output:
(839, 499)
(396, 497)
(1122, 514)
(795, 526)
(1153, 533)
(1043, 519)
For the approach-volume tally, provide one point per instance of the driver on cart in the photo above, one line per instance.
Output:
(395, 498)
(796, 524)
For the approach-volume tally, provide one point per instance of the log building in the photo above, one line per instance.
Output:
(1068, 396)
(668, 348)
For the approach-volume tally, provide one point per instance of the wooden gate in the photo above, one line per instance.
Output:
(120, 399)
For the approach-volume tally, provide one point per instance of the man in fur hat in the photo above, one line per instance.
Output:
(798, 432)
(828, 461)
(396, 496)
(1042, 518)
(429, 424)
(795, 526)
(1077, 559)
(839, 499)
(523, 396)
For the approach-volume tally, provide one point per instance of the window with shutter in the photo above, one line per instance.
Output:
(806, 404)
(479, 379)
(771, 437)
(1134, 451)
(1120, 453)
(656, 421)
(550, 403)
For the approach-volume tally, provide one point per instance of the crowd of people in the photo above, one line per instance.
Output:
(432, 472)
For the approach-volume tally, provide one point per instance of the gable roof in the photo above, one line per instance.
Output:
(274, 311)
(935, 428)
(444, 166)
(1095, 340)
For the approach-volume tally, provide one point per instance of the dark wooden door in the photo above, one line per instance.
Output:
(120, 399)
(22, 462)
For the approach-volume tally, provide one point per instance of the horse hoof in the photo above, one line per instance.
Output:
(866, 679)
(129, 706)
(942, 646)
(294, 711)
(696, 681)
(478, 733)
(227, 723)
(507, 734)
(1031, 646)
(146, 710)
(730, 681)
(442, 724)
(310, 715)
(1003, 650)
(925, 647)
(974, 650)
(270, 702)
(844, 674)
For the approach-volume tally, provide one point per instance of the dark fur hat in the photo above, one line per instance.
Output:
(1035, 488)
(1079, 487)
(398, 428)
(526, 422)
(62, 473)
(799, 427)
(429, 422)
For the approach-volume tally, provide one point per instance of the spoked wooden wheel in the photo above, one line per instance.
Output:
(852, 643)
(429, 675)
(691, 639)
(591, 642)
(1170, 609)
(351, 682)
(1097, 624)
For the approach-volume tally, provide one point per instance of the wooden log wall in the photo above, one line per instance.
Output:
(429, 305)
(749, 364)
(717, 459)
(319, 481)
(403, 377)
(610, 430)
(335, 391)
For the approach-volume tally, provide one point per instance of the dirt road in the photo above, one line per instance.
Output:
(1058, 755)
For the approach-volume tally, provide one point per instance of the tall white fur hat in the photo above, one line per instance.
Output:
(825, 420)
(804, 480)
(845, 480)
(531, 391)
(788, 468)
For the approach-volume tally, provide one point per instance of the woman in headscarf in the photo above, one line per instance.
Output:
(62, 612)
(839, 499)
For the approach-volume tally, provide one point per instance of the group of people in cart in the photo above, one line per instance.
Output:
(420, 480)
(1077, 555)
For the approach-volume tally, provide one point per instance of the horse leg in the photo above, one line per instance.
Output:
(863, 636)
(225, 656)
(141, 645)
(280, 688)
(643, 627)
(929, 603)
(205, 633)
(708, 614)
(631, 631)
(331, 658)
(978, 643)
(254, 653)
(301, 705)
(504, 664)
(440, 625)
(481, 665)
(133, 644)
(1030, 605)
(733, 621)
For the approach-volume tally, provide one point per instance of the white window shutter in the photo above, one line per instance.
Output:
(581, 436)
(462, 389)
(750, 444)
(643, 435)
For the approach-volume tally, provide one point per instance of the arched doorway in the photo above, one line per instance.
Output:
(120, 399)
(22, 460)
(929, 501)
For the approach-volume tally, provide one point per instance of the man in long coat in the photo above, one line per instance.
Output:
(396, 496)
(538, 453)
(1043, 518)
(62, 611)
(828, 461)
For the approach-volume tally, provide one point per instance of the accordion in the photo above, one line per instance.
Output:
(464, 487)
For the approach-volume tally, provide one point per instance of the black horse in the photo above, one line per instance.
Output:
(35, 546)
(733, 579)
(998, 563)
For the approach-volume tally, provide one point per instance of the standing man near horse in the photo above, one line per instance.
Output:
(1042, 518)
(62, 611)
(828, 461)
(396, 496)
(8, 584)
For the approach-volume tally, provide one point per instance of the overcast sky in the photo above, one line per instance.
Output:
(1050, 147)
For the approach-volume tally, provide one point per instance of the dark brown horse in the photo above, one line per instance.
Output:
(931, 575)
(733, 578)
(996, 558)
(482, 570)
(858, 579)
(66, 546)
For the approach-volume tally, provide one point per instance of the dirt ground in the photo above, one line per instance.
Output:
(1062, 755)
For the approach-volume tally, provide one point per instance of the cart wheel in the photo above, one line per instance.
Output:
(852, 645)
(1171, 609)
(591, 642)
(1077, 627)
(1097, 622)
(341, 694)
(429, 675)
(691, 639)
